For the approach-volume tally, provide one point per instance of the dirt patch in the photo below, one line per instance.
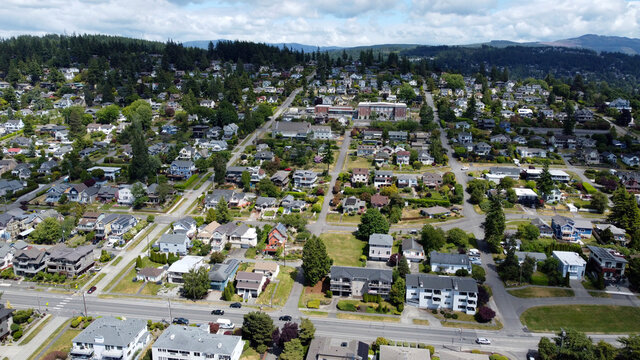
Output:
(320, 288)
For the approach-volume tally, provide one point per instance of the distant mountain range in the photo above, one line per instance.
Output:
(598, 43)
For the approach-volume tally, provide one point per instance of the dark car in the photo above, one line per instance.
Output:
(180, 321)
(236, 305)
(91, 290)
(285, 318)
(217, 312)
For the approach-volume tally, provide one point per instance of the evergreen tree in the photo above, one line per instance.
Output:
(403, 267)
(626, 215)
(432, 238)
(257, 328)
(196, 283)
(223, 215)
(315, 260)
(293, 350)
(545, 183)
(307, 331)
(397, 292)
(494, 224)
(139, 168)
(426, 115)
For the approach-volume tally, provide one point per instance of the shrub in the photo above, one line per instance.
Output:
(401, 307)
(329, 294)
(485, 314)
(498, 357)
(261, 349)
(313, 304)
(434, 311)
(454, 316)
(589, 188)
(54, 355)
(17, 335)
(75, 323)
(432, 350)
(462, 272)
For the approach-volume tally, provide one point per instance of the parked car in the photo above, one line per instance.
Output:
(285, 318)
(225, 324)
(236, 305)
(483, 341)
(91, 290)
(217, 312)
(180, 321)
(464, 168)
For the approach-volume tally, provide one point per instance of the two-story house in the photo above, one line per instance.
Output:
(111, 338)
(182, 168)
(304, 178)
(174, 243)
(29, 261)
(68, 261)
(380, 246)
(412, 250)
(357, 281)
(449, 263)
(442, 292)
(608, 262)
(570, 263)
(193, 343)
(276, 239)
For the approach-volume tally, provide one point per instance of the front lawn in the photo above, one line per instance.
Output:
(284, 286)
(539, 278)
(586, 318)
(541, 292)
(344, 248)
(367, 317)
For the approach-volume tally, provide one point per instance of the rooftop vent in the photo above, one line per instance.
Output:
(172, 336)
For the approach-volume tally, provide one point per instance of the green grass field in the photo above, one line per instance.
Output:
(586, 318)
(282, 292)
(343, 248)
(541, 292)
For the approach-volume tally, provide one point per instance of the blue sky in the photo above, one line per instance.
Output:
(326, 22)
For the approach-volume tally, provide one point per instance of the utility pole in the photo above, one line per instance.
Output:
(85, 305)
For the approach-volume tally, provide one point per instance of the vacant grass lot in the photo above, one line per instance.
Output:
(344, 248)
(541, 292)
(587, 318)
(367, 317)
(340, 218)
(282, 292)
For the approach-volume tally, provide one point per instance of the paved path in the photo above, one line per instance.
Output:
(21, 352)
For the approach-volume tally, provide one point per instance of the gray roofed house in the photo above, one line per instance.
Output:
(111, 338)
(537, 256)
(388, 352)
(412, 250)
(189, 340)
(356, 281)
(5, 314)
(47, 166)
(380, 246)
(221, 274)
(264, 202)
(289, 129)
(430, 291)
(174, 243)
(70, 261)
(337, 349)
(249, 284)
(449, 263)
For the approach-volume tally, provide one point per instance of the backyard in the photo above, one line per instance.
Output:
(587, 318)
(344, 248)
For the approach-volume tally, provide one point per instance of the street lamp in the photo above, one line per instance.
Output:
(562, 336)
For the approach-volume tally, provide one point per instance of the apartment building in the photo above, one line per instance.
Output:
(357, 281)
(442, 292)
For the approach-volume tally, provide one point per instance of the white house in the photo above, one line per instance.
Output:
(196, 343)
(380, 246)
(111, 338)
(412, 250)
(442, 292)
(174, 243)
(183, 266)
(449, 263)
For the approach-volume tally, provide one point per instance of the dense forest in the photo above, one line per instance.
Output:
(616, 68)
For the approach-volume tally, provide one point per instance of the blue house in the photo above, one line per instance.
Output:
(506, 126)
(221, 274)
(182, 168)
(568, 229)
(169, 129)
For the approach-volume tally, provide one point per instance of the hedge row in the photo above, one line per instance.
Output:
(429, 202)
(186, 184)
(589, 188)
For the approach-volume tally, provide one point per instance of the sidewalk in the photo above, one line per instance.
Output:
(21, 352)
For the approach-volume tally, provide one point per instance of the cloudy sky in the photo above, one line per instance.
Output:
(326, 22)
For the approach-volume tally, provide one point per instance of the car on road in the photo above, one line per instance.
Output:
(483, 341)
(236, 305)
(464, 168)
(91, 290)
(225, 324)
(180, 321)
(217, 312)
(285, 318)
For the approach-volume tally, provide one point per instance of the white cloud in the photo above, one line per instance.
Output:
(329, 22)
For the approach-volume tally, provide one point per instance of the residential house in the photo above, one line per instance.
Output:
(609, 157)
(47, 167)
(545, 230)
(291, 130)
(182, 168)
(263, 203)
(537, 256)
(221, 274)
(380, 247)
(619, 235)
(465, 138)
(68, 261)
(5, 315)
(382, 178)
(304, 178)
(526, 152)
(321, 133)
(482, 149)
(608, 262)
(290, 204)
(583, 115)
(352, 204)
(357, 281)
(186, 225)
(432, 180)
(236, 233)
(360, 175)
(151, 274)
(449, 263)
(554, 196)
(229, 131)
(630, 159)
(269, 269)
(412, 250)
(205, 233)
(174, 243)
(249, 285)
(324, 348)
(425, 157)
(435, 212)
(281, 178)
(264, 156)
(398, 136)
(276, 239)
(570, 263)
(388, 352)
(410, 180)
(177, 270)
(497, 173)
(568, 229)
(402, 158)
(442, 292)
(563, 141)
(29, 261)
(379, 201)
(381, 158)
(559, 175)
(108, 338)
(591, 157)
(193, 343)
(526, 196)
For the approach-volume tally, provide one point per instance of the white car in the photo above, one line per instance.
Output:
(483, 341)
(464, 168)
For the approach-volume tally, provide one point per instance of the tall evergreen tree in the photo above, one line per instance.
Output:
(494, 224)
(139, 168)
(545, 183)
(316, 263)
